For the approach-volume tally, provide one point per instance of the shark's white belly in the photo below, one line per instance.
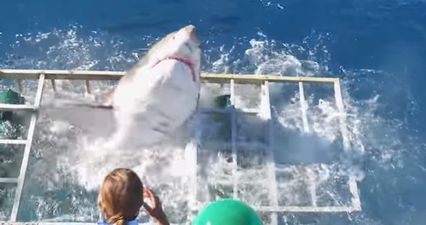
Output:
(154, 102)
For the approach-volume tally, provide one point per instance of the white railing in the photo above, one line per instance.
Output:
(191, 150)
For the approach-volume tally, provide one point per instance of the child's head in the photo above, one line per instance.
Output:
(121, 196)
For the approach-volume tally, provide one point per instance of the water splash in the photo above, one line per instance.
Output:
(62, 180)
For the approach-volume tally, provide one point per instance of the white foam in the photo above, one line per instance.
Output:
(63, 156)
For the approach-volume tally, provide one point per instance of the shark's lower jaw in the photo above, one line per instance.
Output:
(182, 60)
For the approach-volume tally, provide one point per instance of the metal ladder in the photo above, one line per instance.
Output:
(265, 112)
(20, 180)
(192, 148)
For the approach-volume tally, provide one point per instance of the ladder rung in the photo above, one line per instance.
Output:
(29, 223)
(16, 107)
(230, 182)
(248, 111)
(13, 142)
(227, 110)
(242, 146)
(8, 180)
(305, 209)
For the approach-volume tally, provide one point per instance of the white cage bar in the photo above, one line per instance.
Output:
(20, 180)
(265, 109)
(192, 147)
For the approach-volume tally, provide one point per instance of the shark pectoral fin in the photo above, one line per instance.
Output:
(94, 120)
(80, 103)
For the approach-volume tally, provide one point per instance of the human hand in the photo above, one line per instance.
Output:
(154, 208)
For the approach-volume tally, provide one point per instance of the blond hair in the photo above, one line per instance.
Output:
(121, 196)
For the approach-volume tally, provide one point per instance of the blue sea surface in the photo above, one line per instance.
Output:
(377, 48)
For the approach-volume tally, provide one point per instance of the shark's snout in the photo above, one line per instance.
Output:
(191, 31)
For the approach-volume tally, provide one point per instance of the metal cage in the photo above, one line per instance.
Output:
(192, 148)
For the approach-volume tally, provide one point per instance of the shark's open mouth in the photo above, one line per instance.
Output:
(182, 60)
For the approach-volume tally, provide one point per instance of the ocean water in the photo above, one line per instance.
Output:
(377, 48)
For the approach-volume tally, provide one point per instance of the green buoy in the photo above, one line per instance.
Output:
(9, 97)
(9, 129)
(227, 212)
(223, 101)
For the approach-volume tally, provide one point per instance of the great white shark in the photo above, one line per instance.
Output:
(153, 98)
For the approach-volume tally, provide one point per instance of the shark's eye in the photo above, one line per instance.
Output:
(173, 37)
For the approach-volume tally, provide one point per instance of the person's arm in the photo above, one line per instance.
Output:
(155, 210)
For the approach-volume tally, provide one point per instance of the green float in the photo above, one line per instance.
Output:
(227, 212)
(9, 97)
(223, 101)
(9, 129)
